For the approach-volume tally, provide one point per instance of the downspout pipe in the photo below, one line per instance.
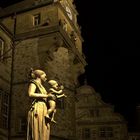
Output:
(12, 76)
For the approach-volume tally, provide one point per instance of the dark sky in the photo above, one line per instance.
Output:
(111, 45)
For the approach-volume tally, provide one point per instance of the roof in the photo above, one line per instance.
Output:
(86, 89)
(23, 6)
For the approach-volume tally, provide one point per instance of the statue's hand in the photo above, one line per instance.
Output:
(50, 95)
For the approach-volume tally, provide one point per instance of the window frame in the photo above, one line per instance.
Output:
(36, 19)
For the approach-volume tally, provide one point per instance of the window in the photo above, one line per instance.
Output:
(4, 110)
(86, 133)
(94, 134)
(109, 132)
(106, 132)
(102, 132)
(1, 49)
(36, 20)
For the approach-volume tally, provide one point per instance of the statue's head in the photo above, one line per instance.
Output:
(52, 82)
(38, 74)
(55, 84)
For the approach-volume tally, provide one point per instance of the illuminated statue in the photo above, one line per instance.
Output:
(38, 128)
(55, 92)
(40, 115)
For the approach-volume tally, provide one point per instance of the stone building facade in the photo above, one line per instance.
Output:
(45, 35)
(5, 78)
(96, 120)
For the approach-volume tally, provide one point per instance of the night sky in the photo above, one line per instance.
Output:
(111, 32)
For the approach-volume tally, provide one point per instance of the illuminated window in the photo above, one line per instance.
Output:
(1, 49)
(36, 20)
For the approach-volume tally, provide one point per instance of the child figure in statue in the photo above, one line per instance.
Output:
(55, 92)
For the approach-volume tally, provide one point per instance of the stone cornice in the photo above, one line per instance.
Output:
(36, 32)
(41, 31)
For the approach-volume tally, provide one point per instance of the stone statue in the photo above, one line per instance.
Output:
(38, 128)
(55, 92)
(40, 115)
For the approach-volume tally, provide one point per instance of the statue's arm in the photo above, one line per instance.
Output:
(60, 96)
(55, 91)
(33, 94)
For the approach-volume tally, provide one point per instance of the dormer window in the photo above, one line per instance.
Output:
(36, 19)
(1, 49)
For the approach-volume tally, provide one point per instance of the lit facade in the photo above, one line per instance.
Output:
(96, 120)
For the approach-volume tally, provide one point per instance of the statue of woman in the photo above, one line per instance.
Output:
(37, 127)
